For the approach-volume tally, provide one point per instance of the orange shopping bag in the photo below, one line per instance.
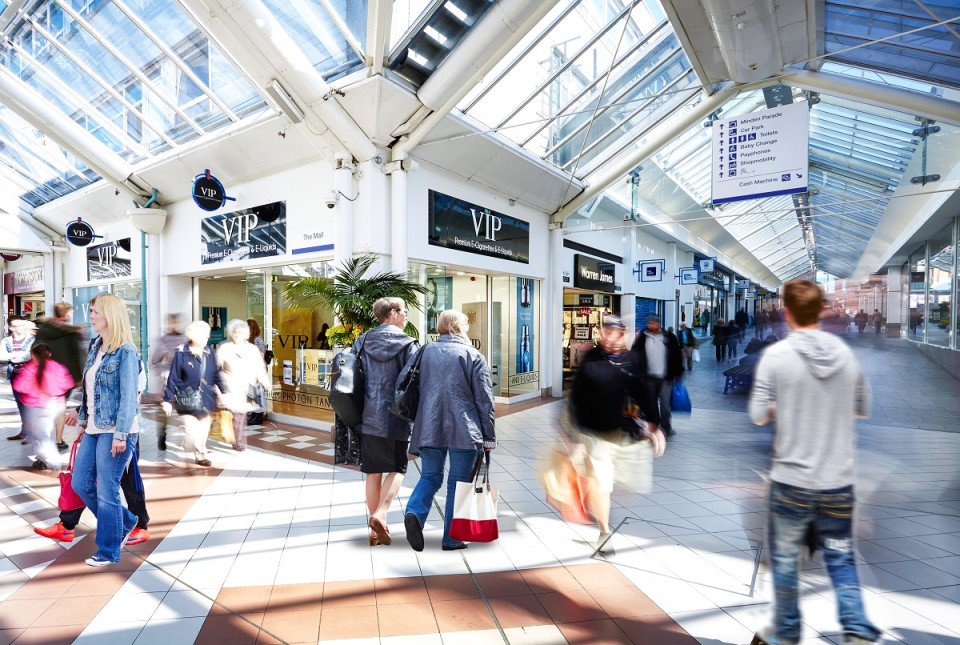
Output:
(566, 488)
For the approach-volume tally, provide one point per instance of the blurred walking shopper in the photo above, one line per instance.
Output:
(255, 338)
(161, 358)
(877, 321)
(42, 384)
(242, 370)
(15, 349)
(720, 340)
(455, 417)
(195, 367)
(108, 415)
(688, 343)
(733, 339)
(662, 361)
(609, 381)
(68, 346)
(384, 437)
(812, 385)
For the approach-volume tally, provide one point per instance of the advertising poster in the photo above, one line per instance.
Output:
(110, 260)
(525, 340)
(439, 299)
(216, 317)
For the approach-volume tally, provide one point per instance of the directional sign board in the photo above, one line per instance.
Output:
(761, 154)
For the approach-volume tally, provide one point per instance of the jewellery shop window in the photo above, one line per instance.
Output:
(302, 351)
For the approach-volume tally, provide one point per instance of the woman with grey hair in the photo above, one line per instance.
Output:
(383, 436)
(195, 367)
(241, 370)
(455, 417)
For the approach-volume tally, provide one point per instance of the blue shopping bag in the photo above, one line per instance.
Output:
(680, 398)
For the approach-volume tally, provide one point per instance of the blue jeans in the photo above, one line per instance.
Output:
(793, 511)
(96, 479)
(431, 478)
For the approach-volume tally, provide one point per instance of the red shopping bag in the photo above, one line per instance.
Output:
(69, 500)
(475, 506)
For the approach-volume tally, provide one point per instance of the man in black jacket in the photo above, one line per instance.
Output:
(662, 360)
(67, 347)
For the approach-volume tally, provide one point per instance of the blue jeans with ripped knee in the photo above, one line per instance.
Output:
(794, 511)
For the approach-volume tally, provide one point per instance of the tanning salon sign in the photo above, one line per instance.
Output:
(258, 232)
(110, 260)
(462, 226)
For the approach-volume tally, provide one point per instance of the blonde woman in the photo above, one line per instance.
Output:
(194, 368)
(454, 417)
(108, 417)
(241, 370)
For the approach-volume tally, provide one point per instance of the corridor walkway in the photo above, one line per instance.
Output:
(270, 546)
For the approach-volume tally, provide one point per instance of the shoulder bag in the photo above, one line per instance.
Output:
(69, 500)
(347, 384)
(188, 400)
(406, 398)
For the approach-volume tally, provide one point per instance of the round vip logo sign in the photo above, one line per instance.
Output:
(208, 192)
(80, 233)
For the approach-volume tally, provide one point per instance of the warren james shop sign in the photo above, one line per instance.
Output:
(259, 232)
(592, 274)
(462, 226)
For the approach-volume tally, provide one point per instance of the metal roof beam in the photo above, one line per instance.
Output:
(886, 96)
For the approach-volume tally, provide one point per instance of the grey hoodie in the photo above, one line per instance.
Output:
(383, 354)
(817, 387)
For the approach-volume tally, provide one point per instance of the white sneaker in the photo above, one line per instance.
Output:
(605, 544)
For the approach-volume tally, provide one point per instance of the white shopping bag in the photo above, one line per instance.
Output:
(475, 506)
(696, 355)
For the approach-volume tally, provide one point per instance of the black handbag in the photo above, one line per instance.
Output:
(189, 400)
(347, 385)
(406, 398)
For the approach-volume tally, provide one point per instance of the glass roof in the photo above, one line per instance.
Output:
(603, 73)
(31, 160)
(331, 33)
(858, 155)
(853, 27)
(140, 81)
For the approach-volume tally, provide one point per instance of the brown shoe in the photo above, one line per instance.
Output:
(204, 462)
(383, 535)
(16, 437)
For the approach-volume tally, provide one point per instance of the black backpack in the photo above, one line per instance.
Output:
(347, 385)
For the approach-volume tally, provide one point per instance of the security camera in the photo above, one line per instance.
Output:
(332, 199)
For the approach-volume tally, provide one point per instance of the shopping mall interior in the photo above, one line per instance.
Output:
(539, 167)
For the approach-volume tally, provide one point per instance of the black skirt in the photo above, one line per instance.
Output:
(382, 455)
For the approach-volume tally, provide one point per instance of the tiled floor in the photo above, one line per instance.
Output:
(272, 547)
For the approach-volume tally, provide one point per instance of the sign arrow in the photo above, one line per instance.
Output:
(799, 175)
(721, 174)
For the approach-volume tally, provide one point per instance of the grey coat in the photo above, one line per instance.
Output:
(384, 352)
(456, 398)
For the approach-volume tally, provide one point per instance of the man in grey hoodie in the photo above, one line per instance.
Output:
(813, 386)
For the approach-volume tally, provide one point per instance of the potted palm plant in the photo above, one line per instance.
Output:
(351, 294)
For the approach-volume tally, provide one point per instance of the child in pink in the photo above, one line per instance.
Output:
(42, 384)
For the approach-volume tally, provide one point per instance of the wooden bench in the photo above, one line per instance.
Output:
(739, 376)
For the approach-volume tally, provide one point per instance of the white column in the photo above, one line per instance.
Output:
(343, 186)
(52, 280)
(628, 299)
(894, 304)
(398, 220)
(551, 347)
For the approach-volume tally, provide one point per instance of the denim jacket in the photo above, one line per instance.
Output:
(116, 400)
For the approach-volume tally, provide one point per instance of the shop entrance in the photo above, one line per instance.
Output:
(504, 316)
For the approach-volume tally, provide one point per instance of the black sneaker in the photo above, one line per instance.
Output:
(162, 443)
(39, 465)
(414, 531)
(63, 446)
